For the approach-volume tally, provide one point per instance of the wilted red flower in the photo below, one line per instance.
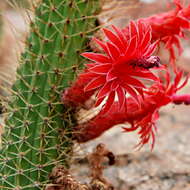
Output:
(169, 27)
(158, 95)
(141, 118)
(126, 62)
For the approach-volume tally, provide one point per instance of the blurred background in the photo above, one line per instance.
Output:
(167, 167)
(14, 17)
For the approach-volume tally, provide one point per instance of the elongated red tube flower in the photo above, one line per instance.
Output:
(126, 62)
(127, 59)
(142, 119)
(169, 27)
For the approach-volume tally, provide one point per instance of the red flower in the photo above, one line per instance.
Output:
(169, 27)
(141, 118)
(160, 94)
(126, 62)
(147, 126)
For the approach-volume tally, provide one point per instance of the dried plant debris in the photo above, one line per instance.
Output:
(98, 185)
(96, 161)
(61, 179)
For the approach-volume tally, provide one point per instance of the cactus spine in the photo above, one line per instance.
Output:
(38, 129)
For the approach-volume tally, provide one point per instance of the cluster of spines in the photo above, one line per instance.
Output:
(38, 128)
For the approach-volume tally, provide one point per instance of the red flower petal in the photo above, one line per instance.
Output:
(109, 103)
(151, 49)
(114, 52)
(146, 40)
(113, 38)
(121, 96)
(95, 83)
(134, 82)
(184, 83)
(114, 85)
(120, 35)
(99, 101)
(133, 29)
(131, 47)
(104, 91)
(140, 91)
(96, 57)
(178, 77)
(88, 76)
(146, 75)
(142, 30)
(102, 45)
(132, 92)
(100, 69)
(110, 76)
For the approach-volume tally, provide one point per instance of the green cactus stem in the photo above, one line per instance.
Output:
(38, 131)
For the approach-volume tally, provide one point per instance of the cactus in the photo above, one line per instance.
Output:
(38, 130)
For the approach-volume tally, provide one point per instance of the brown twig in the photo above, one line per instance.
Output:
(96, 160)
